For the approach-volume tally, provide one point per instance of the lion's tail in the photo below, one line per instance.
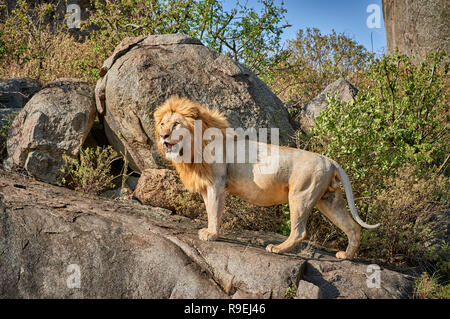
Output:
(350, 199)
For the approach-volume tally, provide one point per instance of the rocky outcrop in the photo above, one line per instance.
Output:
(417, 27)
(163, 188)
(344, 91)
(55, 121)
(143, 72)
(55, 243)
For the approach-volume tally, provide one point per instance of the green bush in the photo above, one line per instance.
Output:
(239, 214)
(90, 172)
(243, 33)
(285, 226)
(400, 116)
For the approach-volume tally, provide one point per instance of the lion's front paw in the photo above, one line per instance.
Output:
(271, 248)
(205, 234)
(341, 255)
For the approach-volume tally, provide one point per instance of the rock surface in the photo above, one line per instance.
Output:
(15, 93)
(307, 290)
(345, 92)
(417, 27)
(55, 121)
(49, 235)
(160, 188)
(144, 71)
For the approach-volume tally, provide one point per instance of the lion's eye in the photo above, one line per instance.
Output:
(162, 124)
(176, 123)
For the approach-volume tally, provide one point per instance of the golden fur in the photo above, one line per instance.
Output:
(195, 176)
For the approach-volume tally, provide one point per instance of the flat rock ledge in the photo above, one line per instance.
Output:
(57, 243)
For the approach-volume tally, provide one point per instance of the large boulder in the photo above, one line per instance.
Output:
(54, 122)
(163, 188)
(417, 27)
(343, 90)
(56, 243)
(143, 72)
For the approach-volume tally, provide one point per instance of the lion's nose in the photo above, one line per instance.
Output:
(164, 136)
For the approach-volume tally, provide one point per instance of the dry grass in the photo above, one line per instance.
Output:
(428, 287)
(65, 58)
(412, 210)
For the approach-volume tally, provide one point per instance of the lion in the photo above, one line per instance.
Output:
(302, 178)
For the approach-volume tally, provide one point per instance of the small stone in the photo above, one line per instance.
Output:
(307, 290)
(346, 92)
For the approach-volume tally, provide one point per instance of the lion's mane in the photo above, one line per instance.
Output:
(196, 177)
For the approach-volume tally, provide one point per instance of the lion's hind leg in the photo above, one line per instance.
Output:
(332, 205)
(300, 208)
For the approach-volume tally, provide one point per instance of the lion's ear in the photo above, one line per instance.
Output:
(195, 113)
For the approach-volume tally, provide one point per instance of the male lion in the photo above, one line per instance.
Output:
(303, 179)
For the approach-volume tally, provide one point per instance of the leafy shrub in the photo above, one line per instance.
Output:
(35, 42)
(290, 292)
(190, 205)
(439, 256)
(285, 226)
(241, 33)
(401, 116)
(90, 172)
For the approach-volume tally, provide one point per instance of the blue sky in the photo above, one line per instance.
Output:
(344, 16)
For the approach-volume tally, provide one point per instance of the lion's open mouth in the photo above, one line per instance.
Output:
(173, 148)
(169, 146)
